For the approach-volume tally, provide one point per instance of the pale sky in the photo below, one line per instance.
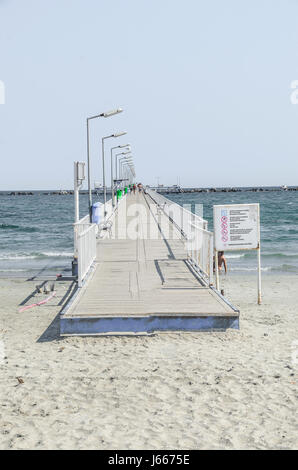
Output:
(205, 87)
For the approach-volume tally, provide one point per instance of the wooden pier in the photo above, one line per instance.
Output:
(141, 284)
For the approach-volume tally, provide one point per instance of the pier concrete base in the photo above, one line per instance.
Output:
(141, 325)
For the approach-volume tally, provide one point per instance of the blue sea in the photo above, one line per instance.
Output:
(36, 233)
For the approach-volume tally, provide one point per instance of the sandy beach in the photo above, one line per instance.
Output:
(228, 390)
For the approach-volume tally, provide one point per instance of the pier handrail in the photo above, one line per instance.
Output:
(164, 202)
(200, 252)
(79, 227)
(85, 234)
(84, 246)
(194, 229)
(86, 250)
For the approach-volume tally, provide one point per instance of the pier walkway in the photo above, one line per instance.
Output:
(142, 281)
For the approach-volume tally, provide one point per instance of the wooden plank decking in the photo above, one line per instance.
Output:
(144, 284)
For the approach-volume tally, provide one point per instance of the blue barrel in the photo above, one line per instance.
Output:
(96, 212)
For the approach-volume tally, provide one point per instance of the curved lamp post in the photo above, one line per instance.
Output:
(121, 160)
(118, 134)
(117, 162)
(122, 164)
(105, 115)
(128, 165)
(127, 147)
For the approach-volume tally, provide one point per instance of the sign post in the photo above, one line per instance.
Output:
(216, 268)
(237, 227)
(79, 176)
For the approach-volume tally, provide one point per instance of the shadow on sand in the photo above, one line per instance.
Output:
(52, 333)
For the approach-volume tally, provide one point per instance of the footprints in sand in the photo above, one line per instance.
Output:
(201, 390)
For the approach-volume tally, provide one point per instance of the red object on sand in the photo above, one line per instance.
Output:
(37, 304)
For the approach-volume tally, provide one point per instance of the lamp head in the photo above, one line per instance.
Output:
(111, 113)
(119, 134)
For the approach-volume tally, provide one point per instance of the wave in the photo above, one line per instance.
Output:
(250, 269)
(18, 228)
(286, 268)
(8, 226)
(13, 270)
(252, 254)
(60, 254)
(27, 256)
(279, 255)
(281, 268)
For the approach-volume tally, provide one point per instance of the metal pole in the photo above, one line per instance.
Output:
(116, 161)
(112, 179)
(89, 173)
(76, 192)
(103, 177)
(216, 269)
(259, 260)
(76, 202)
(259, 277)
(105, 115)
(122, 172)
(124, 175)
(120, 161)
(119, 169)
(211, 259)
(112, 167)
(116, 165)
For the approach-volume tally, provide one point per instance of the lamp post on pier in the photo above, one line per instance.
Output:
(127, 147)
(128, 165)
(117, 162)
(105, 115)
(123, 166)
(118, 134)
(121, 162)
(129, 157)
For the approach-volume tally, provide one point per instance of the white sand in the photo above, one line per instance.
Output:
(229, 390)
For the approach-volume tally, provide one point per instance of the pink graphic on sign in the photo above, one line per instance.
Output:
(224, 227)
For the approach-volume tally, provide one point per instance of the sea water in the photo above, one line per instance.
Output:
(36, 231)
(279, 227)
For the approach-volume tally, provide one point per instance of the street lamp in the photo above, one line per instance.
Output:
(117, 161)
(120, 175)
(105, 115)
(127, 147)
(122, 161)
(129, 167)
(118, 134)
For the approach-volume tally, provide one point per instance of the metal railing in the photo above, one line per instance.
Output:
(85, 235)
(194, 230)
(84, 246)
(86, 251)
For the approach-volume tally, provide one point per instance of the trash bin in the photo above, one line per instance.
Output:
(96, 212)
